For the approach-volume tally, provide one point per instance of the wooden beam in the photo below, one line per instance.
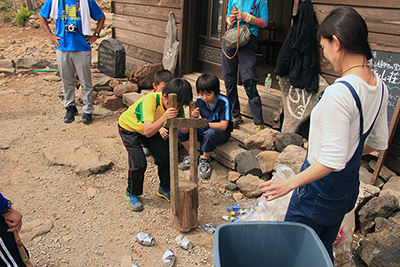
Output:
(193, 146)
(150, 12)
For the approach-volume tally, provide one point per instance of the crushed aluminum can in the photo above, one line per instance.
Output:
(168, 258)
(145, 239)
(184, 242)
(135, 265)
(226, 218)
(209, 228)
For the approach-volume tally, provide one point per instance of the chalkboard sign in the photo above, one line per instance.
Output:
(111, 58)
(387, 66)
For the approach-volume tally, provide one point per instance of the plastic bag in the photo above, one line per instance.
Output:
(274, 210)
(342, 246)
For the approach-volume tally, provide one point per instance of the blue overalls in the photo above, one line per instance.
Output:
(323, 203)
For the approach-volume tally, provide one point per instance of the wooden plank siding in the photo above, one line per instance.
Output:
(141, 26)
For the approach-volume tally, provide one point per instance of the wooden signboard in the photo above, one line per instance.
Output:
(387, 66)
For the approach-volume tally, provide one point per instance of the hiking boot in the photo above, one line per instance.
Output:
(205, 167)
(86, 118)
(133, 202)
(258, 128)
(71, 113)
(236, 121)
(185, 165)
(146, 151)
(164, 193)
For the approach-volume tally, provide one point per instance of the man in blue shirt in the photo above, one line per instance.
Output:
(216, 108)
(73, 40)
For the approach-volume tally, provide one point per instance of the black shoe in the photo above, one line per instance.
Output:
(71, 113)
(236, 121)
(86, 118)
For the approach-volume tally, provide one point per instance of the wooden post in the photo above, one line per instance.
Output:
(392, 130)
(184, 194)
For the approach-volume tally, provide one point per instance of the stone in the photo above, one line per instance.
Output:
(100, 112)
(385, 173)
(267, 160)
(366, 176)
(7, 141)
(263, 140)
(392, 187)
(129, 98)
(226, 154)
(237, 196)
(377, 207)
(7, 64)
(111, 58)
(101, 81)
(247, 163)
(121, 89)
(27, 72)
(293, 157)
(32, 63)
(126, 261)
(230, 186)
(233, 176)
(111, 102)
(248, 185)
(297, 104)
(143, 74)
(282, 140)
(8, 71)
(171, 45)
(75, 154)
(366, 192)
(113, 83)
(91, 192)
(219, 173)
(52, 78)
(34, 228)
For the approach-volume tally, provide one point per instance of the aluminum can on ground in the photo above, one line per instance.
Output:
(168, 258)
(145, 239)
(184, 242)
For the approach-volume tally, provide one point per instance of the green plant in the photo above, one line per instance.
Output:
(128, 72)
(22, 15)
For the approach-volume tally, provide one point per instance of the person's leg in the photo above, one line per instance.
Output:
(67, 74)
(229, 68)
(159, 148)
(247, 60)
(82, 61)
(137, 161)
(9, 253)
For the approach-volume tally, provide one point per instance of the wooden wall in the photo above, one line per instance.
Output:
(140, 25)
(383, 21)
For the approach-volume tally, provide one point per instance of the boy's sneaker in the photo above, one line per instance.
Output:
(258, 128)
(146, 151)
(205, 167)
(185, 165)
(133, 202)
(236, 121)
(86, 118)
(71, 113)
(164, 193)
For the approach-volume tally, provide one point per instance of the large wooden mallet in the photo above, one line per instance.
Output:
(184, 193)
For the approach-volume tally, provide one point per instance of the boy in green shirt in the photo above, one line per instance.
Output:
(140, 124)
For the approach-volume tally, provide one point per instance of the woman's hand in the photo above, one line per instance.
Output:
(275, 188)
(237, 14)
(14, 220)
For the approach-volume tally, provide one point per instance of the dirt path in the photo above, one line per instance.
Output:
(86, 231)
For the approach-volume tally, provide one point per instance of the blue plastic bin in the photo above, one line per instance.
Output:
(268, 244)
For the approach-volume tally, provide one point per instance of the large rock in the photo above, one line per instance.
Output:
(282, 140)
(143, 74)
(246, 163)
(248, 185)
(111, 102)
(366, 192)
(34, 228)
(377, 207)
(267, 160)
(7, 64)
(32, 63)
(121, 89)
(75, 154)
(392, 187)
(297, 104)
(264, 140)
(382, 248)
(293, 157)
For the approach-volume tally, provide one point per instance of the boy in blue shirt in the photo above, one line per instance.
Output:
(216, 108)
(73, 40)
